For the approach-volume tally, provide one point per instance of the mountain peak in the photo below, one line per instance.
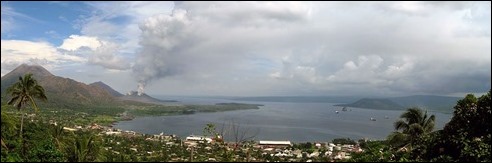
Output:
(107, 88)
(36, 70)
(64, 90)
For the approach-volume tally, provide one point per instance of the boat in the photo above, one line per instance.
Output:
(373, 119)
(386, 117)
(336, 111)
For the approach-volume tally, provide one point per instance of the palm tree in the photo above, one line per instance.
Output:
(57, 132)
(83, 148)
(23, 92)
(414, 123)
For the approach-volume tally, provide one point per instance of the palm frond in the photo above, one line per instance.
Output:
(401, 125)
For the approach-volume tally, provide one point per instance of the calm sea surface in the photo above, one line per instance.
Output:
(297, 122)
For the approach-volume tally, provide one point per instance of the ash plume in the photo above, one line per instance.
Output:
(196, 40)
(161, 40)
(141, 87)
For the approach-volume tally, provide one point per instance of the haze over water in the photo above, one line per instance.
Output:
(297, 122)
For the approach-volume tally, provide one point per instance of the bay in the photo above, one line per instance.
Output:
(296, 122)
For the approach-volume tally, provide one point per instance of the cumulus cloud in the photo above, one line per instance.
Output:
(99, 52)
(119, 21)
(363, 71)
(75, 49)
(16, 52)
(74, 42)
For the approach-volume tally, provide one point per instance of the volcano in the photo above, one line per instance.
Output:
(59, 90)
(133, 96)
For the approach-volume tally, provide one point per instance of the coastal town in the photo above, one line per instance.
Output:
(169, 147)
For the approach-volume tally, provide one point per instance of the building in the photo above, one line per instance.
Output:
(69, 129)
(198, 138)
(113, 133)
(273, 144)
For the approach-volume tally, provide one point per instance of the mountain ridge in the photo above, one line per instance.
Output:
(64, 90)
(69, 92)
(107, 88)
(443, 104)
(374, 103)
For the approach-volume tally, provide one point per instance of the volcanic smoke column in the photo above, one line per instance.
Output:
(141, 87)
(163, 37)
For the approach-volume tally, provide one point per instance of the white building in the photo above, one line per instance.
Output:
(113, 133)
(69, 129)
(198, 138)
(274, 143)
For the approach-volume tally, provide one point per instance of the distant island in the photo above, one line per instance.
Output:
(384, 104)
(442, 104)
(233, 103)
(301, 99)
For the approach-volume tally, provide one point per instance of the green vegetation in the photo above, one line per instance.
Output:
(413, 124)
(23, 92)
(384, 104)
(344, 141)
(159, 110)
(467, 137)
(441, 104)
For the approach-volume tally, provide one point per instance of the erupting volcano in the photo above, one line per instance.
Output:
(140, 96)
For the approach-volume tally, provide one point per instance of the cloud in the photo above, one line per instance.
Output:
(363, 71)
(74, 42)
(320, 47)
(99, 52)
(105, 55)
(247, 13)
(287, 48)
(171, 44)
(119, 21)
(16, 52)
(53, 34)
(7, 17)
(74, 50)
